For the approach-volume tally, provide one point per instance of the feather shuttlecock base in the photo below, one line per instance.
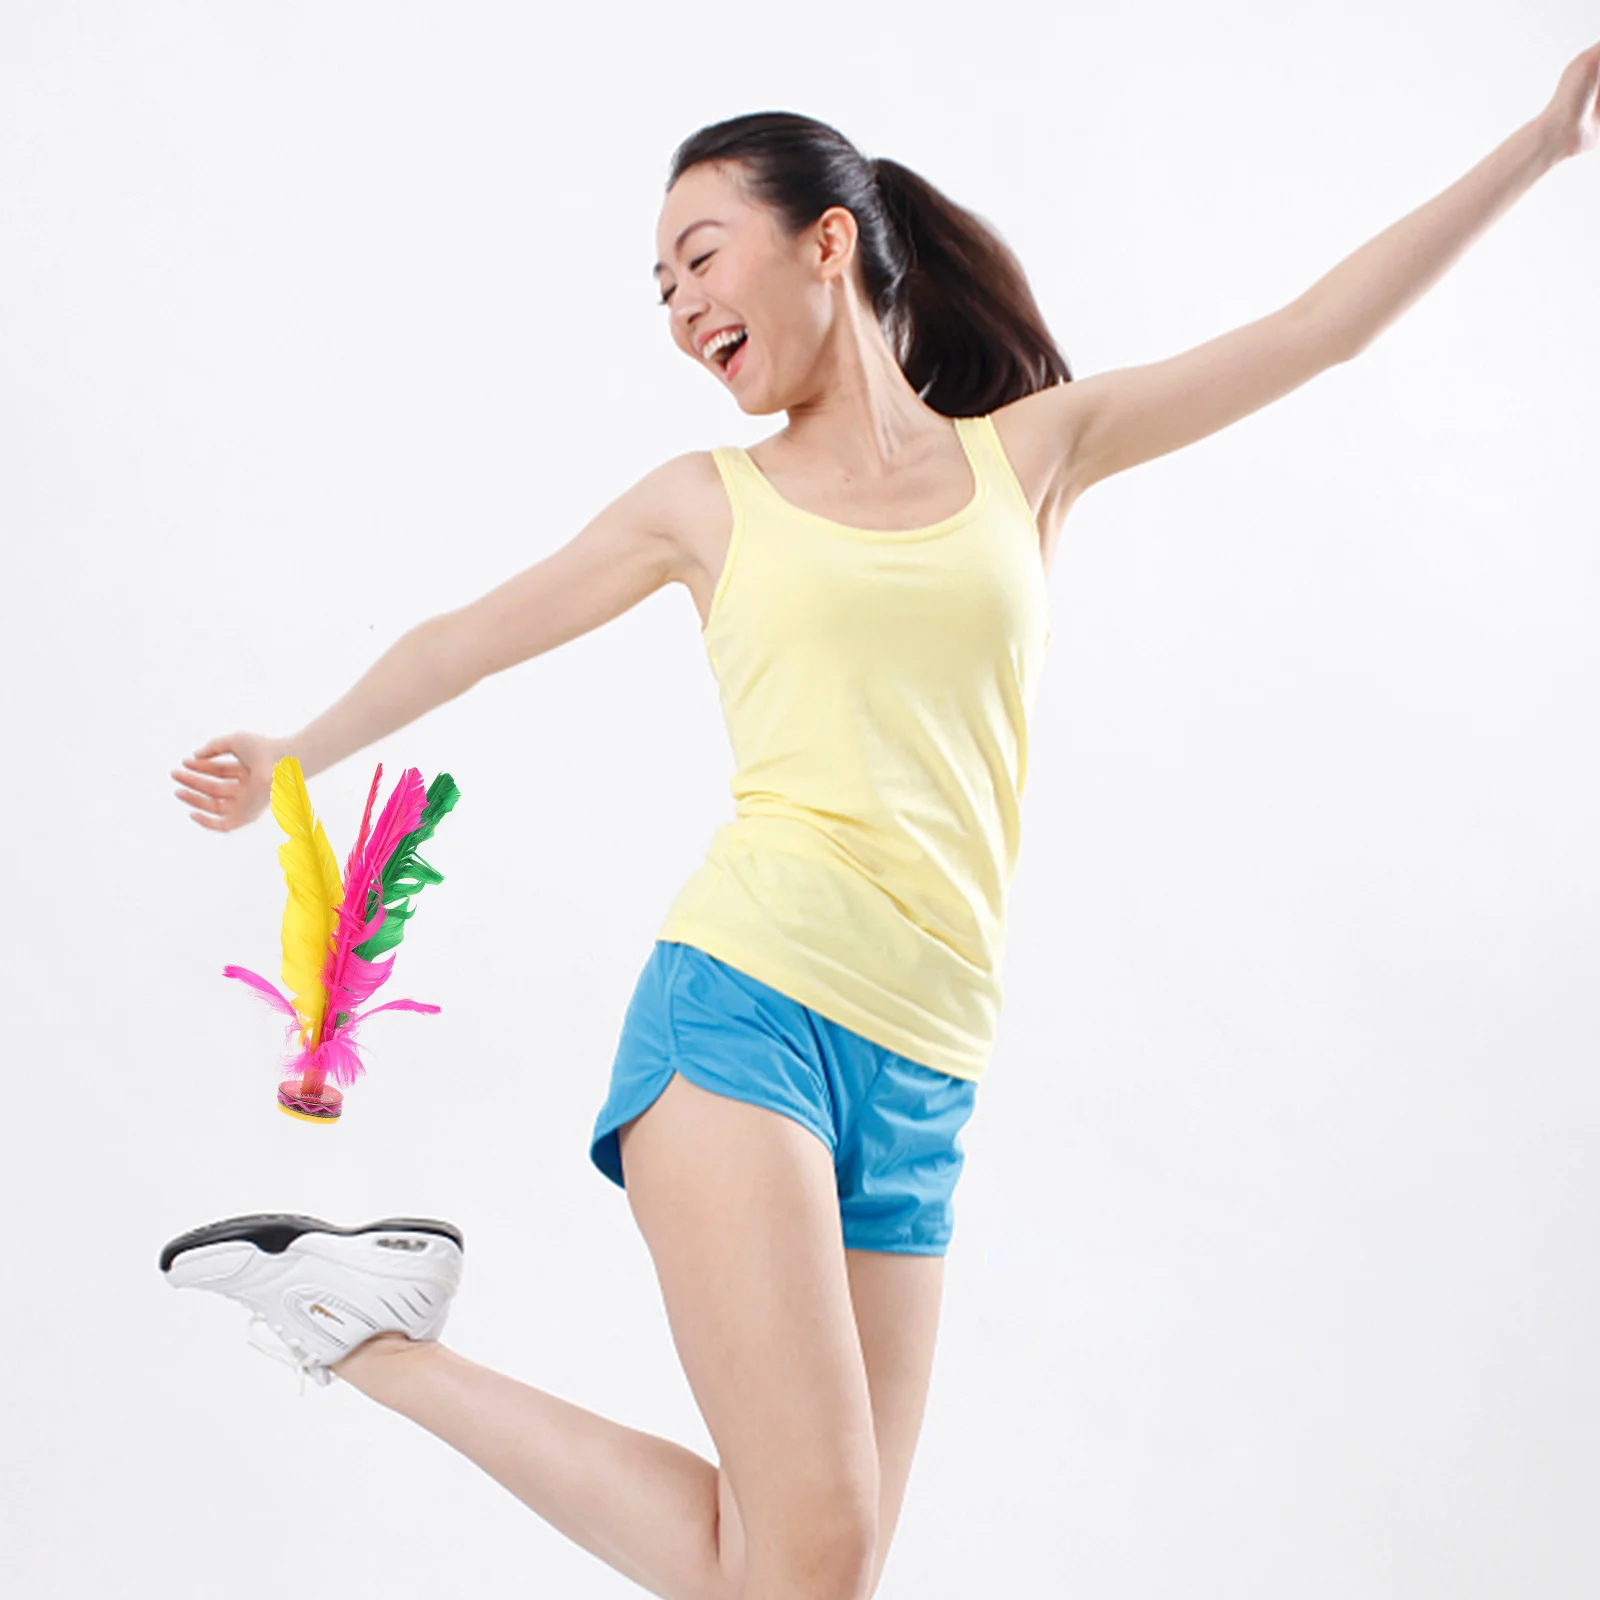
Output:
(323, 1106)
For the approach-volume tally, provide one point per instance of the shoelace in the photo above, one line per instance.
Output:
(277, 1349)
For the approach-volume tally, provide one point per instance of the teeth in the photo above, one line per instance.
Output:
(717, 341)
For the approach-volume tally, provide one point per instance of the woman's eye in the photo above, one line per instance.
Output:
(692, 265)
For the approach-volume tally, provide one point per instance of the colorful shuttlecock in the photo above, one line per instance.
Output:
(333, 929)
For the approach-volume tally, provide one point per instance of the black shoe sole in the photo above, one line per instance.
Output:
(272, 1232)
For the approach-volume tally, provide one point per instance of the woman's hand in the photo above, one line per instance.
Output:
(1572, 119)
(226, 794)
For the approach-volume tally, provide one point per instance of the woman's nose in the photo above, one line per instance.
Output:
(690, 310)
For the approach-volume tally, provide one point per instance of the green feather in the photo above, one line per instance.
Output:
(406, 874)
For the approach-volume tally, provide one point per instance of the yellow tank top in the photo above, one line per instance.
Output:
(877, 688)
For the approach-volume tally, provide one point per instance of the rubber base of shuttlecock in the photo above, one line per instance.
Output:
(306, 1116)
(323, 1106)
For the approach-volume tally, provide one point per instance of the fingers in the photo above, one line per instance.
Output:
(213, 788)
(190, 798)
(212, 807)
(213, 796)
(221, 769)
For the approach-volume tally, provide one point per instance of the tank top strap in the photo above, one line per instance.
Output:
(740, 477)
(991, 463)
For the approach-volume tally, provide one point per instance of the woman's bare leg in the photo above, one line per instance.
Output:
(643, 1504)
(739, 1207)
(897, 1299)
(657, 1512)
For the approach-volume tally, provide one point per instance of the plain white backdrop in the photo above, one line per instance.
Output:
(1274, 1269)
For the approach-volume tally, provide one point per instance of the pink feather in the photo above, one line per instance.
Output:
(354, 857)
(268, 991)
(337, 1055)
(363, 978)
(350, 979)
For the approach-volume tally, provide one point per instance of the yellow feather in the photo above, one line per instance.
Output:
(315, 894)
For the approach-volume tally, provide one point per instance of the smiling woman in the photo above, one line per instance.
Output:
(947, 294)
(804, 1042)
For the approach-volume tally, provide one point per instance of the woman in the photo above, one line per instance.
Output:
(805, 1041)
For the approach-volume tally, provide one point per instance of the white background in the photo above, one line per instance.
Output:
(1275, 1262)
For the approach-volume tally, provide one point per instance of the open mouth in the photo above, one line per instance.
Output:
(728, 356)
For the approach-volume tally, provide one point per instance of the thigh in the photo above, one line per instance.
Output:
(738, 1206)
(897, 1300)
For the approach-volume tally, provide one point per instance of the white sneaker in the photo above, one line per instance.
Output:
(323, 1289)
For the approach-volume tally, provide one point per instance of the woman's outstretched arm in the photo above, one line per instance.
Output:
(1107, 423)
(624, 554)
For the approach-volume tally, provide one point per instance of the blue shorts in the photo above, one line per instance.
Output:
(891, 1124)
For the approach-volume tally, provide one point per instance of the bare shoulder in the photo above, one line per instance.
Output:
(695, 517)
(1037, 433)
(683, 498)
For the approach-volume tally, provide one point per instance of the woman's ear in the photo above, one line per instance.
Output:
(836, 234)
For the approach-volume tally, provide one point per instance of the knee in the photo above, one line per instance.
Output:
(837, 1561)
(826, 1549)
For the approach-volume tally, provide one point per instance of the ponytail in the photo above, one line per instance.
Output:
(948, 292)
(963, 322)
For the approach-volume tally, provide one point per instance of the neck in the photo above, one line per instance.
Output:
(863, 418)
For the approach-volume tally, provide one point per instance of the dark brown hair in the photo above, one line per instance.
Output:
(950, 296)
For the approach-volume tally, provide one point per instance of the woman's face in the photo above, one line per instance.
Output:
(724, 264)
